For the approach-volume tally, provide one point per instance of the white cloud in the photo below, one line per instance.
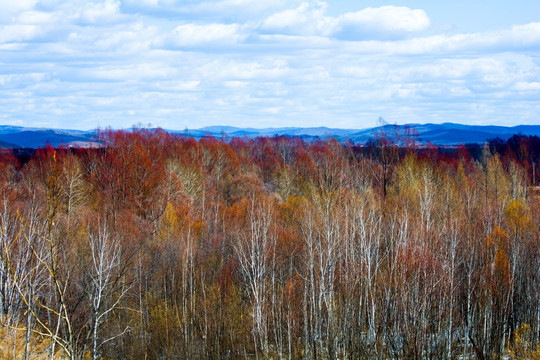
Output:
(19, 33)
(11, 81)
(207, 10)
(527, 86)
(457, 69)
(214, 34)
(525, 34)
(310, 18)
(306, 19)
(131, 38)
(177, 85)
(239, 9)
(131, 73)
(149, 3)
(236, 84)
(382, 21)
(103, 62)
(518, 37)
(11, 8)
(243, 70)
(36, 18)
(107, 11)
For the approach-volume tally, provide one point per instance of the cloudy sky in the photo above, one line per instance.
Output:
(268, 63)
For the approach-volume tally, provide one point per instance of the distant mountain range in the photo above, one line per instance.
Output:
(438, 134)
(23, 137)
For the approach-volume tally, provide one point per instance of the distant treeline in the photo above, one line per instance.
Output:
(521, 148)
(160, 246)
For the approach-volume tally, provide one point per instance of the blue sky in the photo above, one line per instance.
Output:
(268, 63)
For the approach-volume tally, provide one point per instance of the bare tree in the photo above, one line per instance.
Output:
(253, 248)
(107, 287)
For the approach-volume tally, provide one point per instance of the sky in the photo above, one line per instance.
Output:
(268, 63)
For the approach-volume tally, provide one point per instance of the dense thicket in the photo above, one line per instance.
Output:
(159, 246)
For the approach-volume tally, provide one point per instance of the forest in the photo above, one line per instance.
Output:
(158, 246)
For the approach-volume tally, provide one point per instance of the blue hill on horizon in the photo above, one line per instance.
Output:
(447, 134)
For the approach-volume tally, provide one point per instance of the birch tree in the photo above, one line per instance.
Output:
(107, 287)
